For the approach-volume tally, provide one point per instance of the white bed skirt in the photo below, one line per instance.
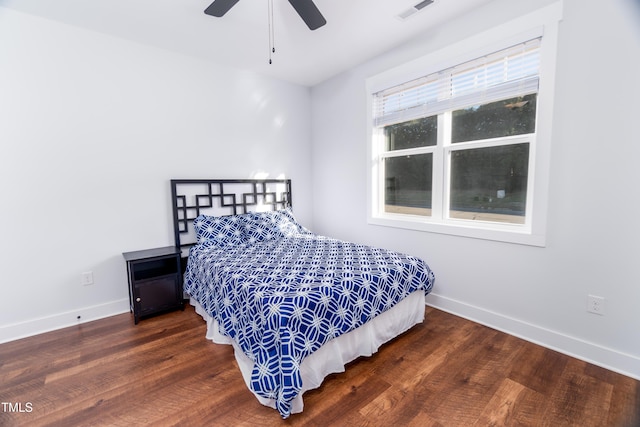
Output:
(335, 354)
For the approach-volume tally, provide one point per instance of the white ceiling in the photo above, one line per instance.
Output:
(356, 30)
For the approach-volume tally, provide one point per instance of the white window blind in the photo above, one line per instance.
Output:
(504, 74)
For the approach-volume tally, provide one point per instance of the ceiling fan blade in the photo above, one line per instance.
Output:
(220, 7)
(309, 13)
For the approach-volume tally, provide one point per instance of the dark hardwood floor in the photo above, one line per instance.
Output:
(445, 372)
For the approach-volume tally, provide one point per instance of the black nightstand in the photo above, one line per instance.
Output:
(155, 281)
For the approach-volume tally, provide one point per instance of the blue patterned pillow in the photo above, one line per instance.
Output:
(263, 226)
(223, 230)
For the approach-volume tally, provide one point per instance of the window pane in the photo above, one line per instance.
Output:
(408, 184)
(490, 184)
(515, 116)
(415, 133)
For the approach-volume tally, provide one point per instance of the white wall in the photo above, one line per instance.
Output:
(92, 128)
(593, 234)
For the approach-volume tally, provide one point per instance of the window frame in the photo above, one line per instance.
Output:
(541, 23)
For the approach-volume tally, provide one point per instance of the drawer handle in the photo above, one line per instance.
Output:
(138, 299)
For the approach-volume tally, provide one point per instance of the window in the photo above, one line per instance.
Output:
(464, 149)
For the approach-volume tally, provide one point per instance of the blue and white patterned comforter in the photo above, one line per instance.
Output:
(282, 299)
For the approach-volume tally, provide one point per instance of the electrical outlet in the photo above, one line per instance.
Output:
(595, 304)
(86, 278)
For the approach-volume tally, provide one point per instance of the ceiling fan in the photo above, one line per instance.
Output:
(305, 8)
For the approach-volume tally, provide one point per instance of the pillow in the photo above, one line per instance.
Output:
(264, 226)
(222, 230)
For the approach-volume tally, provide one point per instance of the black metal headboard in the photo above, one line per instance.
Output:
(192, 197)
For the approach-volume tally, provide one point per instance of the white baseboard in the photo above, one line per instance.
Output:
(41, 325)
(607, 358)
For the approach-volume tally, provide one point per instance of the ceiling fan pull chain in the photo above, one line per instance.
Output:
(272, 48)
(273, 30)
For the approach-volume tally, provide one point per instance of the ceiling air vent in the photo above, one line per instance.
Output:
(414, 9)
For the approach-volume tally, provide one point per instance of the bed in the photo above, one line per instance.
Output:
(295, 306)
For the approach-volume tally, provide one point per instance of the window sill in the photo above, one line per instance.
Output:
(518, 234)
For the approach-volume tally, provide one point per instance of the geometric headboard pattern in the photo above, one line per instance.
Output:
(192, 197)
